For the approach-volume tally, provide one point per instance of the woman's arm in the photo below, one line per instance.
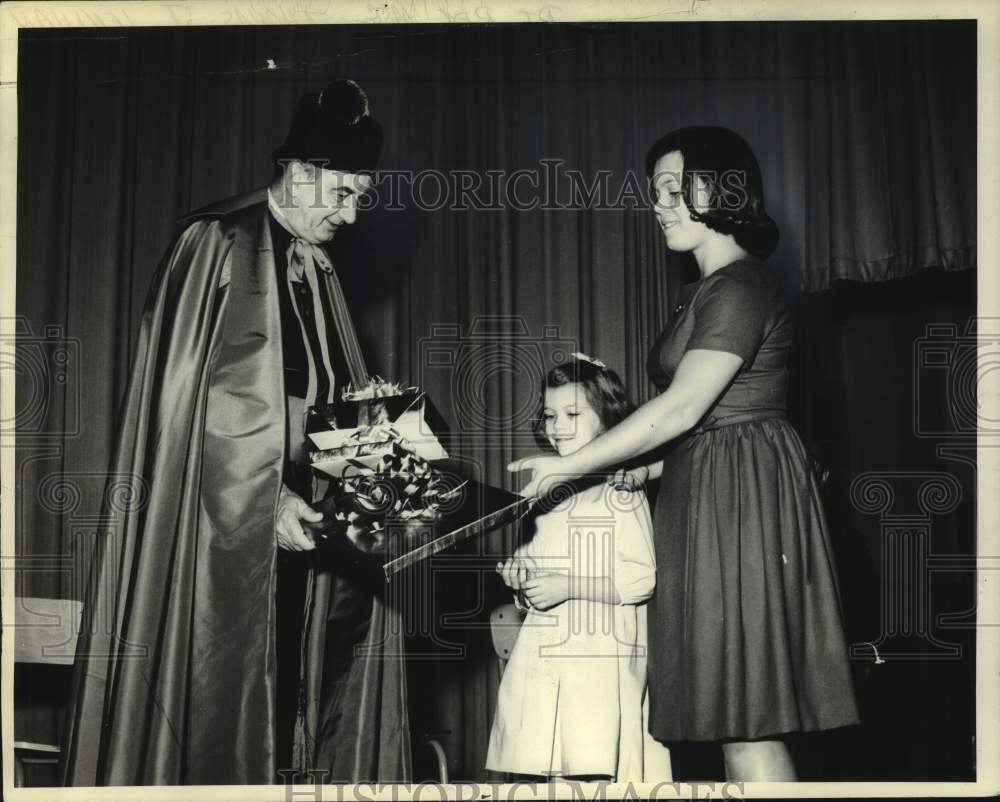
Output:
(701, 378)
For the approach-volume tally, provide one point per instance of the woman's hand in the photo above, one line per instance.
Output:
(515, 571)
(545, 591)
(546, 474)
(292, 510)
(632, 479)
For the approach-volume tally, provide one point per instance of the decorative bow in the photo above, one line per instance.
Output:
(304, 255)
(585, 358)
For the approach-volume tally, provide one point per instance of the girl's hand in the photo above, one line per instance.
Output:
(546, 474)
(545, 591)
(515, 571)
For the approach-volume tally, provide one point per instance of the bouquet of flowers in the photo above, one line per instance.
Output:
(377, 387)
(395, 496)
(402, 492)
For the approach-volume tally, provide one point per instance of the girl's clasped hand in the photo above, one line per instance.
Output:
(534, 588)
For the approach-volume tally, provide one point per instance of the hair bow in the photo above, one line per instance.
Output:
(585, 358)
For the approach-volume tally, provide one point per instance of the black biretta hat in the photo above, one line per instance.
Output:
(334, 130)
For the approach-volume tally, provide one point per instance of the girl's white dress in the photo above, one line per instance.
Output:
(572, 698)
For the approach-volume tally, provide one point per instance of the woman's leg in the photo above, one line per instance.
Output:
(758, 761)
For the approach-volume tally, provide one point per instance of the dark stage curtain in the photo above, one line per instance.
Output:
(866, 137)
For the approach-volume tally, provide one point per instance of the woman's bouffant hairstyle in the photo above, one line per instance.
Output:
(725, 162)
(602, 386)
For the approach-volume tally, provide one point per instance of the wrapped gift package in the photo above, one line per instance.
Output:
(350, 435)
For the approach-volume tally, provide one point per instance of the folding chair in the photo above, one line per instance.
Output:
(45, 632)
(505, 622)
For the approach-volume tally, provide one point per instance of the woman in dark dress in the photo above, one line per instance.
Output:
(746, 637)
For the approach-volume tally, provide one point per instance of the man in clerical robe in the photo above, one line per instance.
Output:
(205, 594)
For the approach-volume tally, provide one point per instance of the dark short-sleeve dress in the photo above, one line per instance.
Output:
(745, 629)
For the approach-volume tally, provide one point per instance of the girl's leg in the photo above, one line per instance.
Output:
(758, 761)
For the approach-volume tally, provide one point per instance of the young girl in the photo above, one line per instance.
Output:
(572, 699)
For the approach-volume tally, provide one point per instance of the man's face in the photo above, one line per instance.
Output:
(323, 200)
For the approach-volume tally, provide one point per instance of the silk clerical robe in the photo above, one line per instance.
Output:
(175, 673)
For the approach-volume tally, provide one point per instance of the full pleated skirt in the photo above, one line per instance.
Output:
(745, 629)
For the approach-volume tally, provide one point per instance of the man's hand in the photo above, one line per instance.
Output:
(288, 518)
(545, 591)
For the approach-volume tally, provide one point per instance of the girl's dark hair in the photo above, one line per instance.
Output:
(602, 386)
(725, 162)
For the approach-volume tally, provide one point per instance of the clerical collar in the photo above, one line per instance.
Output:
(300, 250)
(279, 215)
